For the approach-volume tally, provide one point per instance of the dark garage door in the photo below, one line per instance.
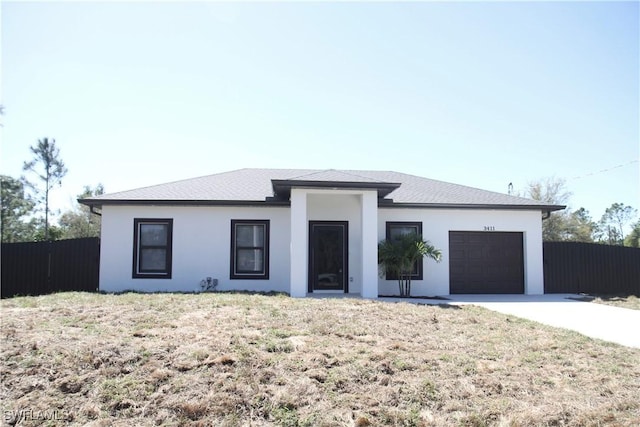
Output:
(486, 263)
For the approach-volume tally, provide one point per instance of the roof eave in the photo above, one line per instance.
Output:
(180, 202)
(544, 208)
(383, 203)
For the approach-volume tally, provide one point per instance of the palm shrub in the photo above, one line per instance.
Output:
(397, 257)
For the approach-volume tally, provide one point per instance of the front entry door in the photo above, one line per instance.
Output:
(328, 253)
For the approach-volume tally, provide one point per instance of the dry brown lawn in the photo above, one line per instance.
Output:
(240, 360)
(624, 301)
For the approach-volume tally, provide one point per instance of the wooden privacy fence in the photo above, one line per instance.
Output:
(38, 268)
(573, 267)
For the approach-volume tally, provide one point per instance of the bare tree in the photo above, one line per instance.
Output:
(552, 191)
(49, 169)
(613, 222)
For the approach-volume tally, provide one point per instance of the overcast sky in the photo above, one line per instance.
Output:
(475, 93)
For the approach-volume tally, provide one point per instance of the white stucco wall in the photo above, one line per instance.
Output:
(202, 236)
(201, 248)
(436, 224)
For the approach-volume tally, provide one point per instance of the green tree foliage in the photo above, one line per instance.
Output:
(15, 208)
(398, 256)
(39, 235)
(581, 227)
(80, 222)
(633, 239)
(613, 222)
(49, 169)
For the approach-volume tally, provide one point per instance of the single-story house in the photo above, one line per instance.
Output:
(316, 231)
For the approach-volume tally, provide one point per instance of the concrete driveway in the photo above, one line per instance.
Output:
(614, 324)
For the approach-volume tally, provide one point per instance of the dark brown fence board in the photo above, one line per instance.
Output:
(75, 265)
(38, 268)
(575, 267)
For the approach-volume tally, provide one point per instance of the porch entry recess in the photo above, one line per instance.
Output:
(328, 256)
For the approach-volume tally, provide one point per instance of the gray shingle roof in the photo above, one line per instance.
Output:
(335, 175)
(255, 186)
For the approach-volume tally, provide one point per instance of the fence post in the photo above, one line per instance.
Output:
(48, 285)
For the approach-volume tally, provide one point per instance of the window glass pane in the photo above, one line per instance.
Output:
(248, 235)
(414, 271)
(153, 234)
(250, 261)
(397, 231)
(153, 259)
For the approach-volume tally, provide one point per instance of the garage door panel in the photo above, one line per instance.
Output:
(472, 272)
(486, 262)
(496, 271)
(475, 239)
(457, 254)
(457, 239)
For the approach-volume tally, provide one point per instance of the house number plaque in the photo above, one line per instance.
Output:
(489, 228)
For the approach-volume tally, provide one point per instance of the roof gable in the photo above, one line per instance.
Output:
(331, 178)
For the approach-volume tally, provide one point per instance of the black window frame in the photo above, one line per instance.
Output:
(418, 275)
(234, 273)
(165, 273)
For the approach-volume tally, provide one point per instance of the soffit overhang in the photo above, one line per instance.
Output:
(282, 187)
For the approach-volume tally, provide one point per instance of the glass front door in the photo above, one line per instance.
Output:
(328, 256)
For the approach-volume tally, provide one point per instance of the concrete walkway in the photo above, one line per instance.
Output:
(613, 324)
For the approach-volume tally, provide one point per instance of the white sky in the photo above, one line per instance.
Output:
(480, 94)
